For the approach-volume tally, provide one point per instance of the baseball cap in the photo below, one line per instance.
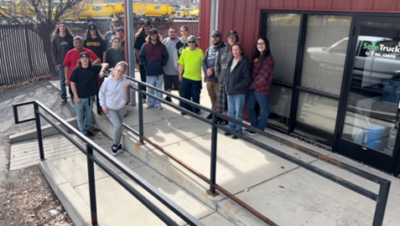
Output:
(153, 31)
(146, 23)
(233, 32)
(192, 38)
(92, 26)
(83, 54)
(121, 29)
(216, 33)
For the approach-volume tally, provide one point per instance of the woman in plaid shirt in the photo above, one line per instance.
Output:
(260, 85)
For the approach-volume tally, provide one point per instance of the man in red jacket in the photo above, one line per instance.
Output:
(71, 60)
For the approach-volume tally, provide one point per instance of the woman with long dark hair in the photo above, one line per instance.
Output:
(62, 42)
(260, 85)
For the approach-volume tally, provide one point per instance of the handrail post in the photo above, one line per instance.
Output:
(39, 130)
(381, 203)
(213, 163)
(92, 186)
(141, 132)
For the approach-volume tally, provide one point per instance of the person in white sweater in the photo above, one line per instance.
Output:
(113, 97)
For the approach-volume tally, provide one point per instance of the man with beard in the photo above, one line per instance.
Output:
(140, 39)
(208, 69)
(113, 29)
(84, 85)
(171, 78)
(72, 57)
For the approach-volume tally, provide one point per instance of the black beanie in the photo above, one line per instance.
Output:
(233, 32)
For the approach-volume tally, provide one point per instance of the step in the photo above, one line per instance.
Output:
(115, 206)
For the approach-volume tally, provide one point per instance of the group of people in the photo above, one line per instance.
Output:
(171, 64)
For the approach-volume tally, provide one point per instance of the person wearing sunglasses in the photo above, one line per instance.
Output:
(113, 29)
(112, 99)
(260, 86)
(190, 64)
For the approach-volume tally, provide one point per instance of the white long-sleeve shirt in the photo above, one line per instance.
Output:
(112, 93)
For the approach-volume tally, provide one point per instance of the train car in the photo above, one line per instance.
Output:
(152, 11)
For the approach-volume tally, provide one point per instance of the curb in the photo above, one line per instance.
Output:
(77, 209)
(47, 130)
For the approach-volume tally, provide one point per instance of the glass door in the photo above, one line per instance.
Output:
(370, 130)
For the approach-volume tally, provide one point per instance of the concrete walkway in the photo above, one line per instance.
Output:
(282, 191)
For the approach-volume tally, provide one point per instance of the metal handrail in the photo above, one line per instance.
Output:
(91, 159)
(380, 198)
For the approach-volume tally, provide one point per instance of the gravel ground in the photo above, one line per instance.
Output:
(25, 196)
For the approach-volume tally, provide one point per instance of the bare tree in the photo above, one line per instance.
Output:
(41, 12)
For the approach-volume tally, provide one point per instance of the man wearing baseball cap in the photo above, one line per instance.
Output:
(140, 39)
(190, 63)
(154, 56)
(208, 69)
(72, 57)
(84, 85)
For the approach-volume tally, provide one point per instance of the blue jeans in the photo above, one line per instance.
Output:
(254, 97)
(84, 109)
(191, 91)
(61, 75)
(156, 81)
(235, 110)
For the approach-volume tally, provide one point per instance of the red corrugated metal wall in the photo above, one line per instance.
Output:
(204, 24)
(244, 15)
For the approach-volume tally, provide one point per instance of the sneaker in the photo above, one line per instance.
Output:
(227, 134)
(168, 99)
(149, 106)
(159, 107)
(251, 133)
(183, 113)
(209, 116)
(114, 150)
(89, 134)
(234, 137)
(119, 149)
(63, 101)
(223, 122)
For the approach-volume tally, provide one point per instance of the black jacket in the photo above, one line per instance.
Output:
(209, 61)
(237, 81)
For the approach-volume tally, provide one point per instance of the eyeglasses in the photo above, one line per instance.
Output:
(120, 71)
(191, 42)
(115, 21)
(260, 43)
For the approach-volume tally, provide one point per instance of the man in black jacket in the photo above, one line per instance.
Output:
(61, 43)
(208, 69)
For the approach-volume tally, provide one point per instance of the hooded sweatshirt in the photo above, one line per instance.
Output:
(112, 93)
(210, 59)
(153, 57)
(60, 47)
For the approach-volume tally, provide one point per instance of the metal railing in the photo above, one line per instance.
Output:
(91, 159)
(380, 198)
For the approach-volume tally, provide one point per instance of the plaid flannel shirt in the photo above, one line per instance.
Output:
(261, 76)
